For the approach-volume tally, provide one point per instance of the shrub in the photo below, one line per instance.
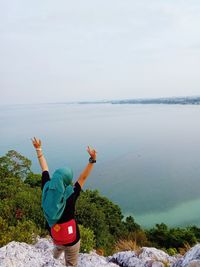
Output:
(125, 245)
(29, 202)
(100, 215)
(87, 239)
(163, 237)
(139, 237)
(171, 251)
(184, 249)
(25, 231)
(20, 202)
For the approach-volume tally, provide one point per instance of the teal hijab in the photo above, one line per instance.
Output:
(55, 193)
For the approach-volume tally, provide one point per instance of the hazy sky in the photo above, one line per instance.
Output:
(107, 49)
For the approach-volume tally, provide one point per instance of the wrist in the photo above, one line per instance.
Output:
(92, 160)
(39, 152)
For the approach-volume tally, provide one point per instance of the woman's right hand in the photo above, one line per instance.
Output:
(36, 143)
(38, 147)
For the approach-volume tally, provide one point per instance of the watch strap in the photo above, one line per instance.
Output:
(91, 160)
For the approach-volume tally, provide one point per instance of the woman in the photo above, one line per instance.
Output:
(59, 196)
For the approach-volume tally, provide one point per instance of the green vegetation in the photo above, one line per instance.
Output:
(100, 215)
(163, 237)
(102, 225)
(87, 239)
(25, 231)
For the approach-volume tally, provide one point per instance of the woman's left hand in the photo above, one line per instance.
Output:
(92, 152)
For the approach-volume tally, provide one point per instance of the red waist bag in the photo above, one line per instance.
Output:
(64, 233)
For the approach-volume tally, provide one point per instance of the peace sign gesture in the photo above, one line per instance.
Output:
(92, 152)
(36, 143)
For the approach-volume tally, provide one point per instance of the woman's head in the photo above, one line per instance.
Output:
(63, 176)
(55, 193)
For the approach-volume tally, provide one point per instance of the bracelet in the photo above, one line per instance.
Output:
(39, 149)
(91, 160)
(40, 156)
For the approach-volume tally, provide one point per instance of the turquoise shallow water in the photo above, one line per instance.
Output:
(148, 155)
(186, 213)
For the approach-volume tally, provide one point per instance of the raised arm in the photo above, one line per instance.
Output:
(86, 172)
(38, 147)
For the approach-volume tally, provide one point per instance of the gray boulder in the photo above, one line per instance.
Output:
(146, 257)
(192, 257)
(156, 255)
(17, 254)
(195, 263)
(126, 259)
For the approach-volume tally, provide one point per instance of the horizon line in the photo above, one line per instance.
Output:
(102, 100)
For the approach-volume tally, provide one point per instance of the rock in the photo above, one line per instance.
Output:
(126, 259)
(157, 264)
(94, 260)
(44, 244)
(147, 257)
(17, 254)
(193, 255)
(195, 263)
(156, 255)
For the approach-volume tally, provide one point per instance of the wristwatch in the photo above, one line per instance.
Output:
(91, 160)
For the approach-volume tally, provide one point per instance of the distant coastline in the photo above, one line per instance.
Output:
(188, 100)
(184, 100)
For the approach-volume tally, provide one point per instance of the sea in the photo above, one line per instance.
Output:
(148, 156)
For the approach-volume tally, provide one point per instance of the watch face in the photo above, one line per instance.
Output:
(91, 160)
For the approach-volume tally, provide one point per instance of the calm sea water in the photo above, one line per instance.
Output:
(148, 155)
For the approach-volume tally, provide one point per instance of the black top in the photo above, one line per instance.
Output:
(69, 210)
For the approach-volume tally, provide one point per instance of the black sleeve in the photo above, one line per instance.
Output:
(45, 178)
(77, 190)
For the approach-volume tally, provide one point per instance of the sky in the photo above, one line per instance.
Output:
(60, 51)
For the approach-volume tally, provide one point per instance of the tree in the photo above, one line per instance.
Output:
(34, 180)
(196, 231)
(100, 215)
(13, 164)
(131, 225)
(158, 235)
(164, 237)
